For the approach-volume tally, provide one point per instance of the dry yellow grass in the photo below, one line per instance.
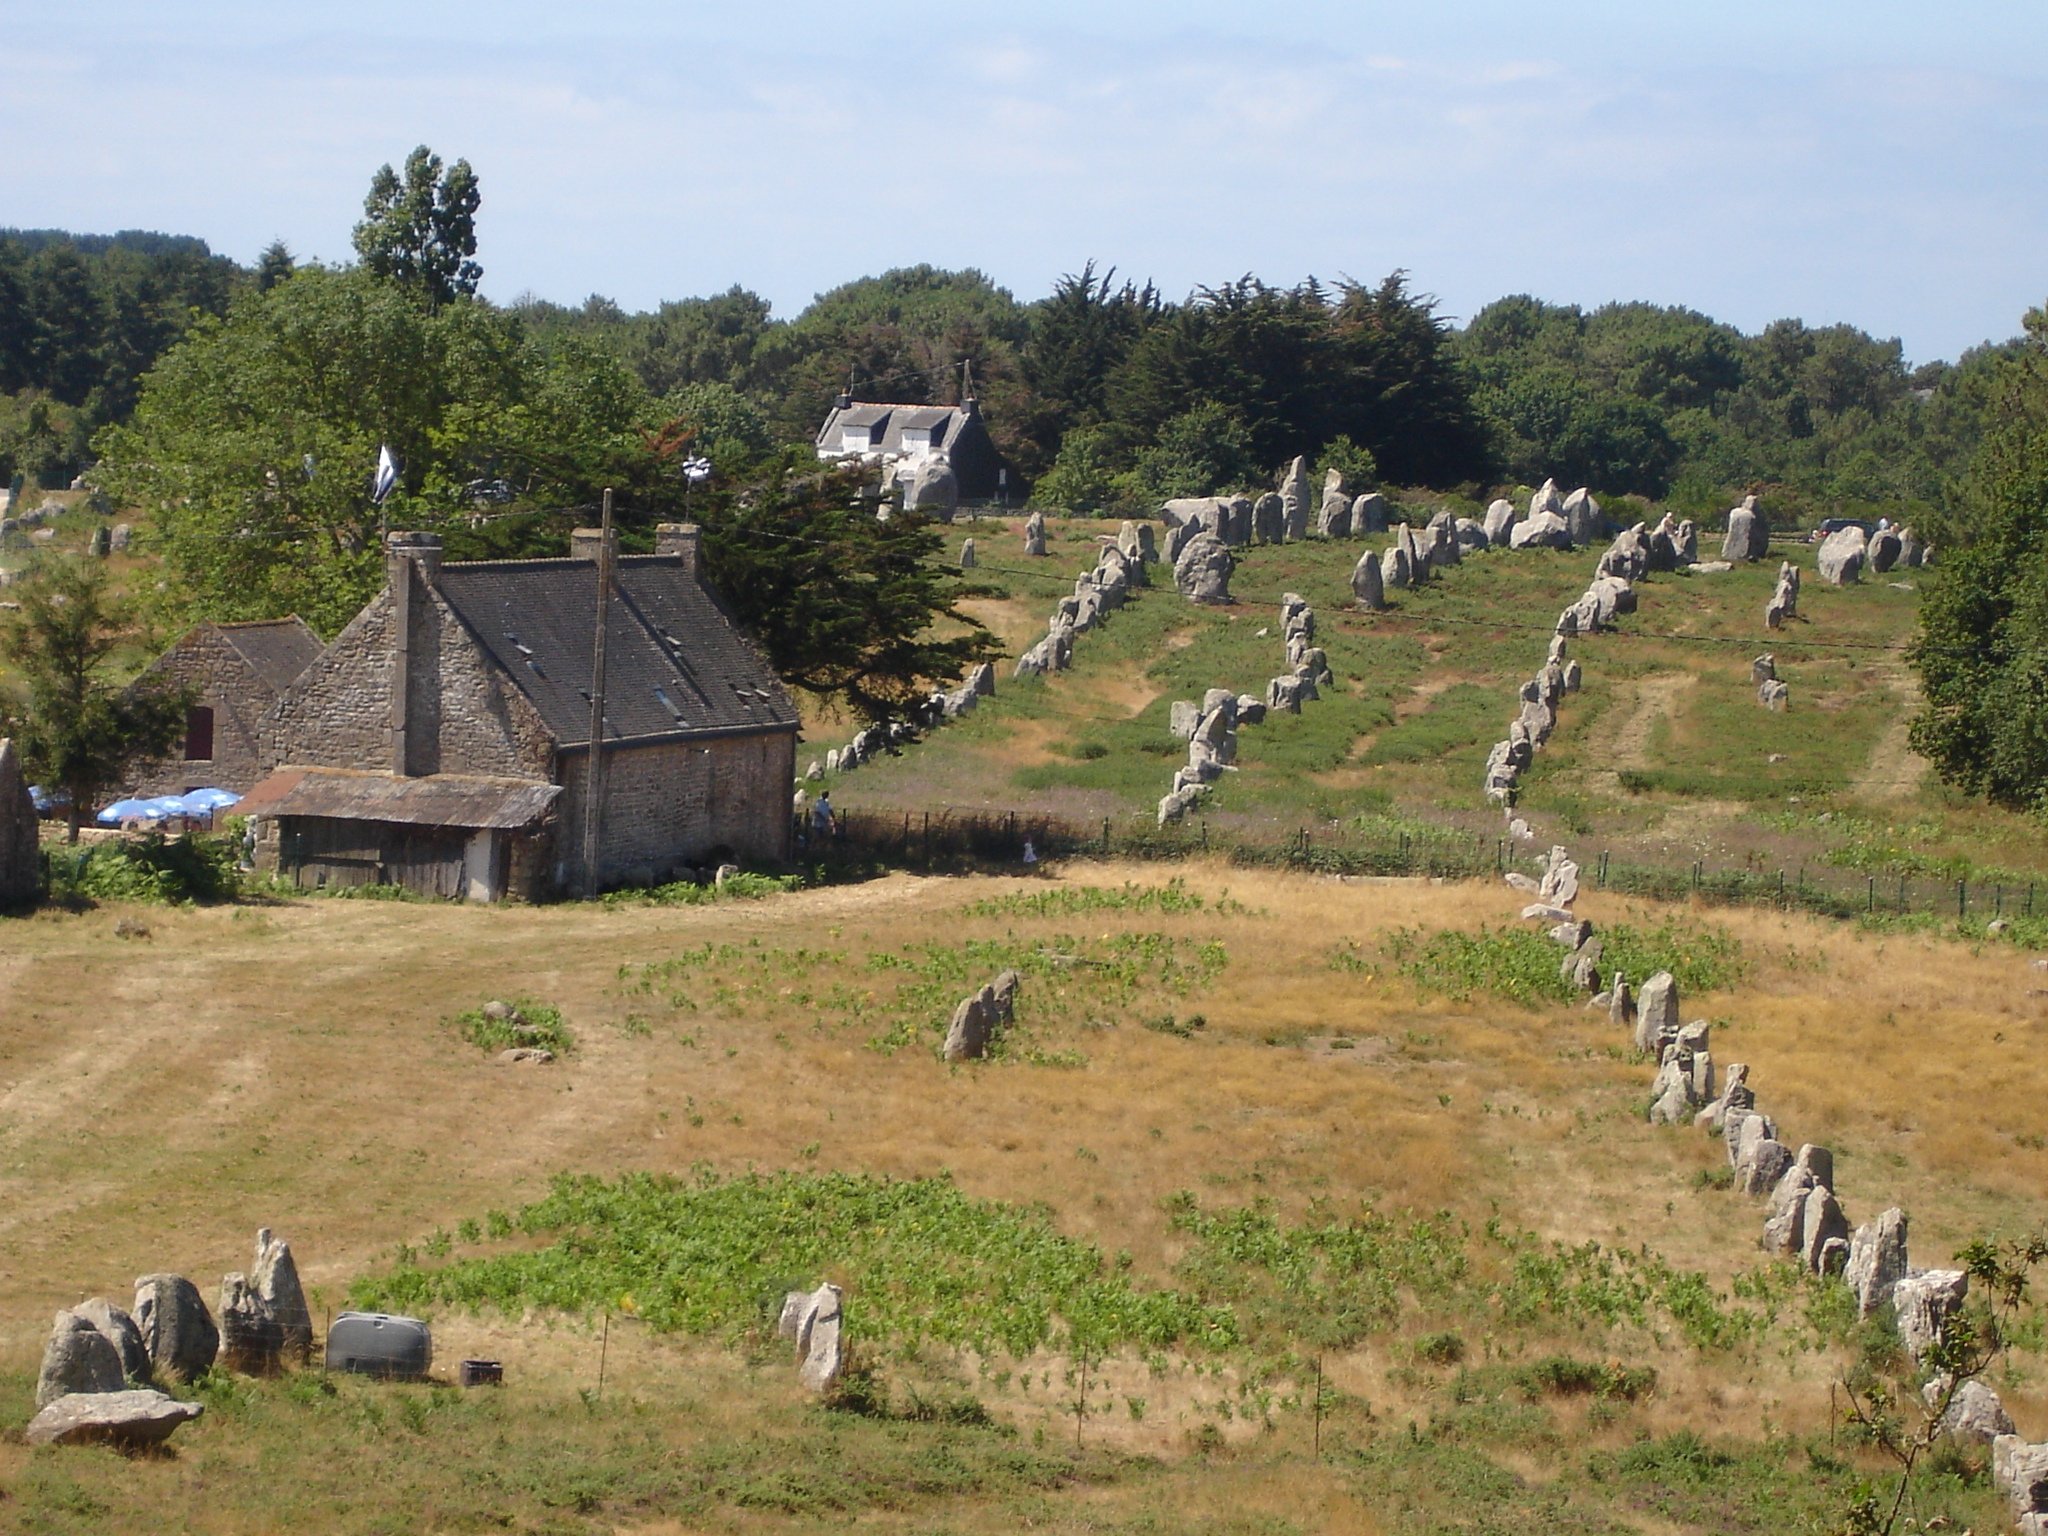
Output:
(288, 1066)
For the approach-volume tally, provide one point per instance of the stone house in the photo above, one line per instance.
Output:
(909, 436)
(235, 675)
(443, 741)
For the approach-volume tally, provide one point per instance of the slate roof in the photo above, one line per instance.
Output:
(886, 424)
(278, 650)
(675, 664)
(432, 800)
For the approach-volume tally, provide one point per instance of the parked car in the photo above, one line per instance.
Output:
(1837, 524)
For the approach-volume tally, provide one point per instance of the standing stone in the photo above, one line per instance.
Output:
(1500, 522)
(1294, 501)
(100, 543)
(1975, 1416)
(1787, 1219)
(77, 1358)
(177, 1330)
(1841, 555)
(1034, 534)
(967, 554)
(823, 1350)
(1621, 1003)
(1546, 501)
(934, 490)
(21, 862)
(1877, 1260)
(1367, 582)
(1582, 515)
(1203, 570)
(1543, 530)
(1657, 1013)
(1269, 518)
(275, 1278)
(1822, 1224)
(1182, 716)
(119, 1330)
(967, 1037)
(251, 1339)
(1394, 572)
(1333, 518)
(1749, 535)
(1368, 515)
(119, 539)
(1909, 549)
(1924, 1302)
(1884, 551)
(1135, 541)
(982, 680)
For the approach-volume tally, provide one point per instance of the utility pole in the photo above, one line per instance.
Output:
(593, 775)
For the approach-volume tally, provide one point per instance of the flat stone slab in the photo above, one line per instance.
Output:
(110, 1418)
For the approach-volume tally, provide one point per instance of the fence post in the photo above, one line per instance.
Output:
(1998, 901)
(1870, 896)
(1902, 895)
(2030, 898)
(1105, 835)
(1781, 888)
(1205, 834)
(927, 840)
(1962, 899)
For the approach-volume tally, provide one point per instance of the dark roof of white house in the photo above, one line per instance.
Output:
(675, 663)
(886, 424)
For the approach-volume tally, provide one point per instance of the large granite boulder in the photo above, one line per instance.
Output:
(1396, 572)
(1368, 515)
(124, 1419)
(1269, 518)
(1582, 515)
(1841, 555)
(1884, 550)
(119, 1330)
(934, 490)
(1034, 534)
(1974, 1414)
(1499, 522)
(1202, 573)
(1368, 582)
(815, 1323)
(1749, 535)
(1657, 1013)
(972, 1027)
(77, 1358)
(1541, 530)
(1546, 501)
(1333, 518)
(1877, 1260)
(1923, 1303)
(1294, 501)
(275, 1277)
(177, 1330)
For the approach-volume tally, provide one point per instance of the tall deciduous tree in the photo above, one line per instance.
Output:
(1982, 649)
(77, 728)
(421, 230)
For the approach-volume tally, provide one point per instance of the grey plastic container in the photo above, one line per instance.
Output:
(379, 1344)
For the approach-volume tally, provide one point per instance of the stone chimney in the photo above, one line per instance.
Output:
(679, 540)
(585, 543)
(405, 553)
(844, 402)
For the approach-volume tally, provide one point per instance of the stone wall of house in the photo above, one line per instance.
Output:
(21, 862)
(675, 804)
(462, 717)
(219, 679)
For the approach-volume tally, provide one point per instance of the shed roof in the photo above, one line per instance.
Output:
(675, 664)
(277, 650)
(434, 800)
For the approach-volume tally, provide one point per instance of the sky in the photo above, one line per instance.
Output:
(1877, 162)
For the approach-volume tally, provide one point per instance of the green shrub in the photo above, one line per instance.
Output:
(150, 868)
(1564, 1376)
(1445, 1348)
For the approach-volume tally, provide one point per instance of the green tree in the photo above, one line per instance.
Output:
(275, 265)
(254, 438)
(853, 608)
(421, 230)
(76, 727)
(1982, 648)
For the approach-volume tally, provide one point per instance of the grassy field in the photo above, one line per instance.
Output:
(1251, 1131)
(1664, 757)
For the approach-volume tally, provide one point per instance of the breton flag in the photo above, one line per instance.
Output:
(387, 475)
(697, 470)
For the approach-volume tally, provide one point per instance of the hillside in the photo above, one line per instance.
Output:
(1242, 1111)
(1664, 759)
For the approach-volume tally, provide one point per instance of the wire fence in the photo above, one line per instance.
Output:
(950, 840)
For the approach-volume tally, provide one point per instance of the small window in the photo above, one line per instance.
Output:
(199, 734)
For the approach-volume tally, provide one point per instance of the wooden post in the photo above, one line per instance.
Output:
(593, 776)
(604, 1342)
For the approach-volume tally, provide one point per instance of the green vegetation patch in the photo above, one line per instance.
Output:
(1522, 964)
(921, 1261)
(149, 868)
(1172, 898)
(501, 1025)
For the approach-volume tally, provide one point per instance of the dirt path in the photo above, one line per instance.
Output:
(1638, 706)
(1895, 769)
